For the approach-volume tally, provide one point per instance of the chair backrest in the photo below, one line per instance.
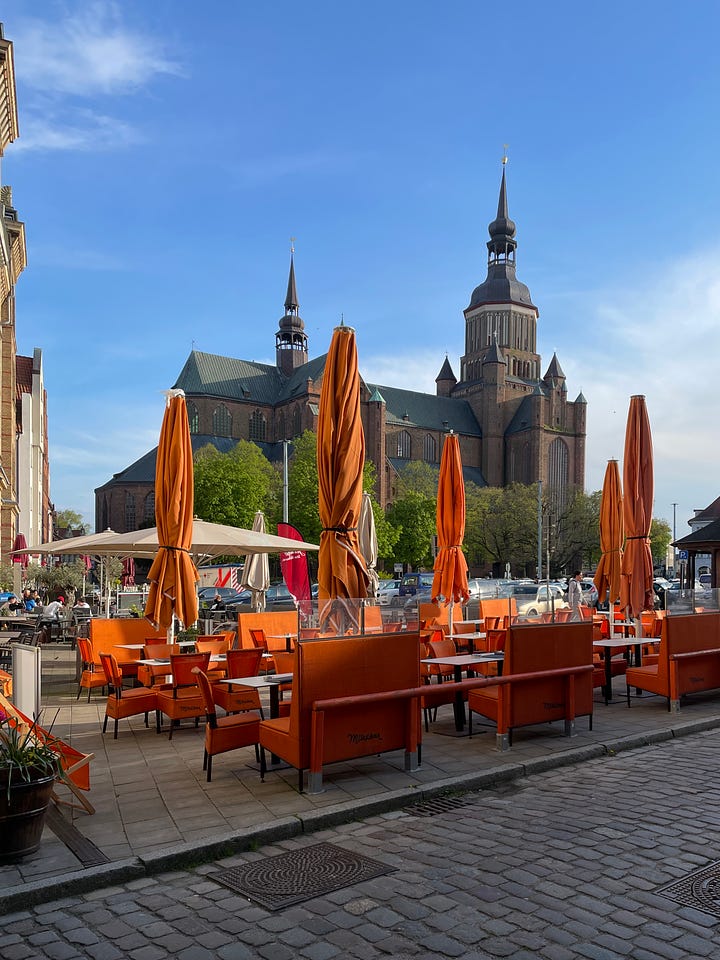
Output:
(206, 693)
(442, 648)
(280, 621)
(182, 666)
(243, 663)
(105, 634)
(215, 646)
(159, 651)
(86, 651)
(284, 662)
(257, 638)
(112, 671)
(497, 607)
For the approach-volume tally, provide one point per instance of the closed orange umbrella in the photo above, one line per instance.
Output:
(340, 459)
(636, 585)
(450, 580)
(173, 575)
(607, 575)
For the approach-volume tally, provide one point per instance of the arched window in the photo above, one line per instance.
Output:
(129, 511)
(149, 508)
(281, 426)
(429, 448)
(193, 417)
(258, 425)
(404, 445)
(221, 421)
(297, 422)
(558, 471)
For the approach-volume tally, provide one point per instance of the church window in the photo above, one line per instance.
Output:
(429, 449)
(149, 508)
(404, 445)
(558, 471)
(193, 417)
(129, 511)
(221, 421)
(281, 427)
(258, 425)
(297, 422)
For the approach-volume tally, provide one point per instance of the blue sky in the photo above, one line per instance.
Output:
(169, 150)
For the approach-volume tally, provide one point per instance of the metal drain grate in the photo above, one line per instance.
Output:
(85, 850)
(438, 805)
(700, 890)
(290, 878)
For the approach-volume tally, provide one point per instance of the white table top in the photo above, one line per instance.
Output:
(165, 662)
(262, 681)
(466, 659)
(477, 635)
(620, 641)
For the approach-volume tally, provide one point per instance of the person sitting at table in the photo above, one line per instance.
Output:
(14, 604)
(55, 609)
(80, 604)
(217, 603)
(27, 599)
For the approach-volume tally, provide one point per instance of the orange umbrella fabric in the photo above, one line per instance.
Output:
(450, 580)
(607, 575)
(636, 585)
(173, 575)
(340, 459)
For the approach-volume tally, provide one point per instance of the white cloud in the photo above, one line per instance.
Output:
(89, 51)
(81, 130)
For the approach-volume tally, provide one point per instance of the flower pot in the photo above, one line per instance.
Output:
(22, 814)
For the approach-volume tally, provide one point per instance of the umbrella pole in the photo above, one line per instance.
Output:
(450, 618)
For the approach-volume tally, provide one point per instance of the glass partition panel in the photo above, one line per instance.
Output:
(353, 617)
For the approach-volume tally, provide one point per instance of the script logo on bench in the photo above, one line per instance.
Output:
(363, 737)
(553, 706)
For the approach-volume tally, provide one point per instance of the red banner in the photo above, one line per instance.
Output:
(294, 566)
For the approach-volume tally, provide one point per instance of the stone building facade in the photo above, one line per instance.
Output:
(515, 424)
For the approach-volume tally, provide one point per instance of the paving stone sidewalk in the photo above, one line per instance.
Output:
(571, 862)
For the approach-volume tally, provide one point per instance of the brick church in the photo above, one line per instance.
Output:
(515, 423)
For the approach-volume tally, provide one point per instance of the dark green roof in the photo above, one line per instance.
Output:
(211, 375)
(427, 410)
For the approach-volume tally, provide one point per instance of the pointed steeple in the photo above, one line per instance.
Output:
(445, 380)
(291, 297)
(494, 354)
(291, 342)
(554, 372)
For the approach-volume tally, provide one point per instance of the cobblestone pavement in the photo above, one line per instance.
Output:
(568, 863)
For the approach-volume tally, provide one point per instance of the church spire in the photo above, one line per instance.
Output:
(502, 243)
(291, 342)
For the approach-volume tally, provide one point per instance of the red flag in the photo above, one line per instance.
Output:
(294, 566)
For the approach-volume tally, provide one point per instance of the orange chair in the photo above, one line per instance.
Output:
(259, 640)
(215, 646)
(284, 663)
(224, 733)
(441, 646)
(237, 699)
(124, 703)
(155, 675)
(92, 675)
(183, 700)
(436, 695)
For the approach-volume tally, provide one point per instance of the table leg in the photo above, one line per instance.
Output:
(459, 705)
(274, 712)
(608, 675)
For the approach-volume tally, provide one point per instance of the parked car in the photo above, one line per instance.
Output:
(589, 592)
(388, 592)
(206, 595)
(540, 598)
(411, 583)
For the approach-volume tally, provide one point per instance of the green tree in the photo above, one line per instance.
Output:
(660, 537)
(70, 520)
(231, 487)
(418, 477)
(6, 576)
(504, 525)
(575, 535)
(303, 511)
(413, 517)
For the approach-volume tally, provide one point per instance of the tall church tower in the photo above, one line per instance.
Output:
(291, 342)
(501, 308)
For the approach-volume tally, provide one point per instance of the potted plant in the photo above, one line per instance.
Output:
(28, 768)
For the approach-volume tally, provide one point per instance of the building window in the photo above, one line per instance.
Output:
(258, 425)
(149, 509)
(129, 511)
(221, 421)
(429, 449)
(297, 422)
(193, 417)
(558, 472)
(404, 445)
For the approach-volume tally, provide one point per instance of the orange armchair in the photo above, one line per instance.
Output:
(237, 699)
(92, 675)
(183, 701)
(224, 733)
(123, 703)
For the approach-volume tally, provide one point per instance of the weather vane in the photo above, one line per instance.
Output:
(504, 159)
(292, 244)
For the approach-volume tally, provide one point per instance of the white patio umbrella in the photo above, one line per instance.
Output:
(256, 572)
(367, 537)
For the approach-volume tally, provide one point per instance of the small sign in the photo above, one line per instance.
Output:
(398, 568)
(682, 554)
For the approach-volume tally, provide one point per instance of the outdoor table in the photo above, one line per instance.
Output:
(465, 661)
(288, 637)
(607, 646)
(470, 637)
